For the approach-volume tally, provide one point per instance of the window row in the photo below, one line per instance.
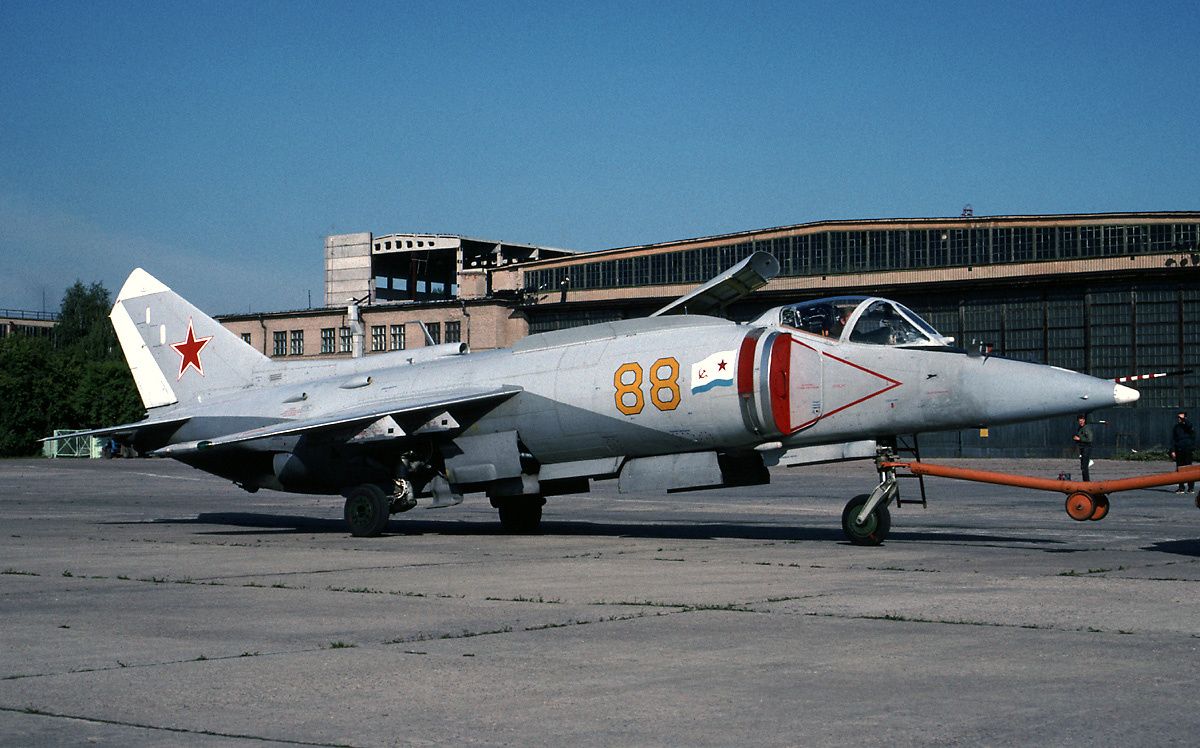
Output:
(836, 252)
(402, 244)
(339, 339)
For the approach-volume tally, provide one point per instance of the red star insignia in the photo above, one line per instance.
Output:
(721, 366)
(189, 351)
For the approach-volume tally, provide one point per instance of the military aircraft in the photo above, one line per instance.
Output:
(679, 400)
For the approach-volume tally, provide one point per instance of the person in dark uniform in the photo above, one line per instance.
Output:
(1183, 441)
(1083, 438)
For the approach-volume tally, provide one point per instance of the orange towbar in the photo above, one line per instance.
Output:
(1085, 499)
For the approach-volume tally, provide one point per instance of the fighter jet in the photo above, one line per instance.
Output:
(679, 400)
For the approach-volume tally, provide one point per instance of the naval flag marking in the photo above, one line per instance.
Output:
(715, 370)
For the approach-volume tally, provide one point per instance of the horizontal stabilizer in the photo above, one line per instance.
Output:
(361, 417)
(123, 430)
(738, 281)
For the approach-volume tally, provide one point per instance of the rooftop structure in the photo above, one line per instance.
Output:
(417, 267)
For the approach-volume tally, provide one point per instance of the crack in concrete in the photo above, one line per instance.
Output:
(163, 728)
(122, 666)
(898, 618)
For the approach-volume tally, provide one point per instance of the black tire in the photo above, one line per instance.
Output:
(521, 514)
(366, 510)
(872, 532)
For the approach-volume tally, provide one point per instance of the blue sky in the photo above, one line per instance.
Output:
(216, 144)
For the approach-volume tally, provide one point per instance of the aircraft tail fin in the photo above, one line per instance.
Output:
(176, 352)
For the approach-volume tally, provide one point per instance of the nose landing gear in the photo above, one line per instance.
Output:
(873, 529)
(866, 519)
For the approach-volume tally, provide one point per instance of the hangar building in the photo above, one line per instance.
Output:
(1112, 295)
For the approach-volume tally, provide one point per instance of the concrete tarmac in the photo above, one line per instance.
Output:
(145, 603)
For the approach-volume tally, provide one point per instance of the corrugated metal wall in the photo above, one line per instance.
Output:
(1119, 432)
(1106, 330)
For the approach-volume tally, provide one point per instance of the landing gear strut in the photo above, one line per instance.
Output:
(403, 497)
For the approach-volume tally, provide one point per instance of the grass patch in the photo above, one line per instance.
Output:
(341, 645)
(355, 590)
(464, 634)
(522, 599)
(640, 603)
(901, 568)
(1097, 570)
(467, 634)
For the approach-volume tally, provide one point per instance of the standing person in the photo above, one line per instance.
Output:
(1183, 441)
(1083, 438)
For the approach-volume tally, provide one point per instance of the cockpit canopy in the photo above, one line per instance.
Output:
(860, 319)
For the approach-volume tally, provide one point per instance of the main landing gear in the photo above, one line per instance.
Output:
(368, 506)
(520, 515)
(366, 510)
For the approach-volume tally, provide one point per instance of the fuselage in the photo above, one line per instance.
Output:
(663, 386)
(668, 402)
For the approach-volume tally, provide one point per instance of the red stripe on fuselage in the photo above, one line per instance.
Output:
(745, 370)
(779, 384)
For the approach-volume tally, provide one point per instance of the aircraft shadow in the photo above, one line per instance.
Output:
(275, 524)
(1189, 547)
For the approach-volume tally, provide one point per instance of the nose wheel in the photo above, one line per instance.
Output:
(873, 529)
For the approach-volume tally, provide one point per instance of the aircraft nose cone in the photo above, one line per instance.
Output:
(1123, 394)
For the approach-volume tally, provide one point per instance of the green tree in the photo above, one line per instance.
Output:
(83, 324)
(28, 401)
(78, 381)
(100, 392)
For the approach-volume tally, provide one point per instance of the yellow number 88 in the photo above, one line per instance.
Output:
(664, 386)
